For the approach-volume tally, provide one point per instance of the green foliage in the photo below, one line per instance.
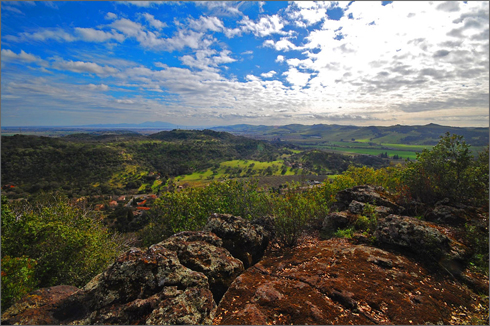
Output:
(18, 279)
(478, 239)
(369, 221)
(189, 208)
(69, 244)
(344, 233)
(448, 170)
(294, 210)
(388, 177)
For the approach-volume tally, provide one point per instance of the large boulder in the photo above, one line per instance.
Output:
(37, 307)
(423, 238)
(141, 287)
(447, 215)
(203, 252)
(335, 282)
(244, 240)
(366, 194)
(337, 220)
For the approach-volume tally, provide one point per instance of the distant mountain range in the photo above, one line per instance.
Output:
(297, 133)
(147, 124)
(424, 135)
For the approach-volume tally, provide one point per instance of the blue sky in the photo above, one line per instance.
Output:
(267, 62)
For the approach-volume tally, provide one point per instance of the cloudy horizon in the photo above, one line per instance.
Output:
(223, 63)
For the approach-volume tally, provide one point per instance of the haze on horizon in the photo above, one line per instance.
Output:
(223, 63)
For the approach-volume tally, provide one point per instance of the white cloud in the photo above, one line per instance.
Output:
(148, 39)
(222, 8)
(145, 4)
(306, 13)
(101, 87)
(84, 67)
(296, 78)
(382, 66)
(282, 45)
(56, 34)
(50, 4)
(268, 74)
(154, 22)
(206, 59)
(22, 56)
(126, 101)
(206, 23)
(110, 16)
(266, 25)
(12, 9)
(94, 35)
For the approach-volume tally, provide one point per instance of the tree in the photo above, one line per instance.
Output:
(447, 170)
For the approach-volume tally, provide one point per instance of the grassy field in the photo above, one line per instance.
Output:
(367, 151)
(238, 169)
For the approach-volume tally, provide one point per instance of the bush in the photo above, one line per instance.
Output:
(294, 210)
(344, 233)
(448, 170)
(70, 245)
(189, 209)
(18, 279)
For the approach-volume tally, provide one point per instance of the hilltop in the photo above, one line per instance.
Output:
(411, 135)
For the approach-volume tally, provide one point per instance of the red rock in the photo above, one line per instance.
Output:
(37, 307)
(342, 283)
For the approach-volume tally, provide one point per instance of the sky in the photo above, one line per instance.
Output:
(223, 63)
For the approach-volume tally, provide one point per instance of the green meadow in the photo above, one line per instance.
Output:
(238, 169)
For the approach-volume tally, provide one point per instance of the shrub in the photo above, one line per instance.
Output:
(69, 244)
(344, 233)
(294, 210)
(189, 209)
(18, 279)
(448, 170)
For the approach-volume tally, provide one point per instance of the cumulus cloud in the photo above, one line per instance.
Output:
(9, 55)
(266, 25)
(366, 67)
(154, 22)
(101, 87)
(44, 34)
(148, 39)
(306, 13)
(126, 101)
(206, 59)
(94, 35)
(222, 8)
(84, 67)
(110, 16)
(297, 78)
(268, 74)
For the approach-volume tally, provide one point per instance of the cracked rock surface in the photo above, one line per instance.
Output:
(336, 282)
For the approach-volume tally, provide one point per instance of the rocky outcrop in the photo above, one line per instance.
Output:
(335, 282)
(366, 194)
(244, 240)
(140, 287)
(422, 238)
(177, 281)
(445, 214)
(337, 220)
(37, 307)
(203, 252)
